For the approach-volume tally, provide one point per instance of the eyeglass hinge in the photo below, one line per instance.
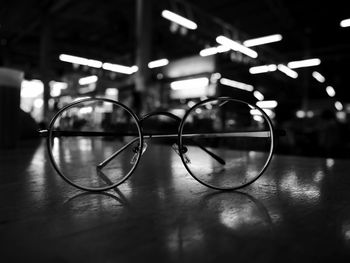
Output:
(43, 133)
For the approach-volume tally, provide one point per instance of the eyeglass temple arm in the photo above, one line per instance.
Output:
(217, 158)
(110, 158)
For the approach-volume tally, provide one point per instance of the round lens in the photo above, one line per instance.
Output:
(95, 144)
(226, 143)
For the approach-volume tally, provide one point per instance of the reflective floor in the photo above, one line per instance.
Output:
(298, 211)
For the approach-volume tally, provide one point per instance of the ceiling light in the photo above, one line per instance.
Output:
(111, 92)
(38, 103)
(81, 61)
(213, 50)
(330, 91)
(236, 46)
(85, 110)
(345, 23)
(94, 63)
(81, 98)
(179, 19)
(56, 87)
(208, 51)
(32, 88)
(189, 83)
(215, 77)
(222, 48)
(262, 69)
(158, 63)
(73, 59)
(258, 95)
(134, 69)
(318, 76)
(119, 68)
(236, 84)
(310, 114)
(338, 105)
(262, 40)
(88, 80)
(87, 89)
(267, 104)
(55, 92)
(255, 112)
(300, 114)
(304, 63)
(287, 71)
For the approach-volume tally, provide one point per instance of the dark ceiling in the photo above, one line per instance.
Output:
(105, 30)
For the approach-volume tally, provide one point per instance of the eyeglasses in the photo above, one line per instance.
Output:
(95, 144)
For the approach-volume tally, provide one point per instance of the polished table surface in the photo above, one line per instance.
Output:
(298, 211)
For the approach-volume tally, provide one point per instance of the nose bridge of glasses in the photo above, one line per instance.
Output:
(175, 146)
(160, 113)
(148, 136)
(166, 129)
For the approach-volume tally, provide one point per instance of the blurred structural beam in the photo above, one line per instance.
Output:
(143, 47)
(45, 46)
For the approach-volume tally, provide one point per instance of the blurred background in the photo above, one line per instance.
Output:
(289, 57)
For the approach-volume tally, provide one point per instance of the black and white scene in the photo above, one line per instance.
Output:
(174, 131)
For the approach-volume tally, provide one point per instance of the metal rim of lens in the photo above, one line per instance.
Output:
(53, 162)
(180, 142)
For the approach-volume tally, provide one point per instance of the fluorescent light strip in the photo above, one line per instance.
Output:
(287, 71)
(318, 76)
(208, 52)
(262, 40)
(81, 98)
(263, 69)
(94, 63)
(236, 46)
(267, 104)
(269, 112)
(330, 91)
(98, 64)
(179, 19)
(88, 80)
(80, 60)
(213, 50)
(189, 83)
(119, 68)
(158, 63)
(73, 59)
(222, 49)
(236, 84)
(304, 63)
(258, 95)
(345, 23)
